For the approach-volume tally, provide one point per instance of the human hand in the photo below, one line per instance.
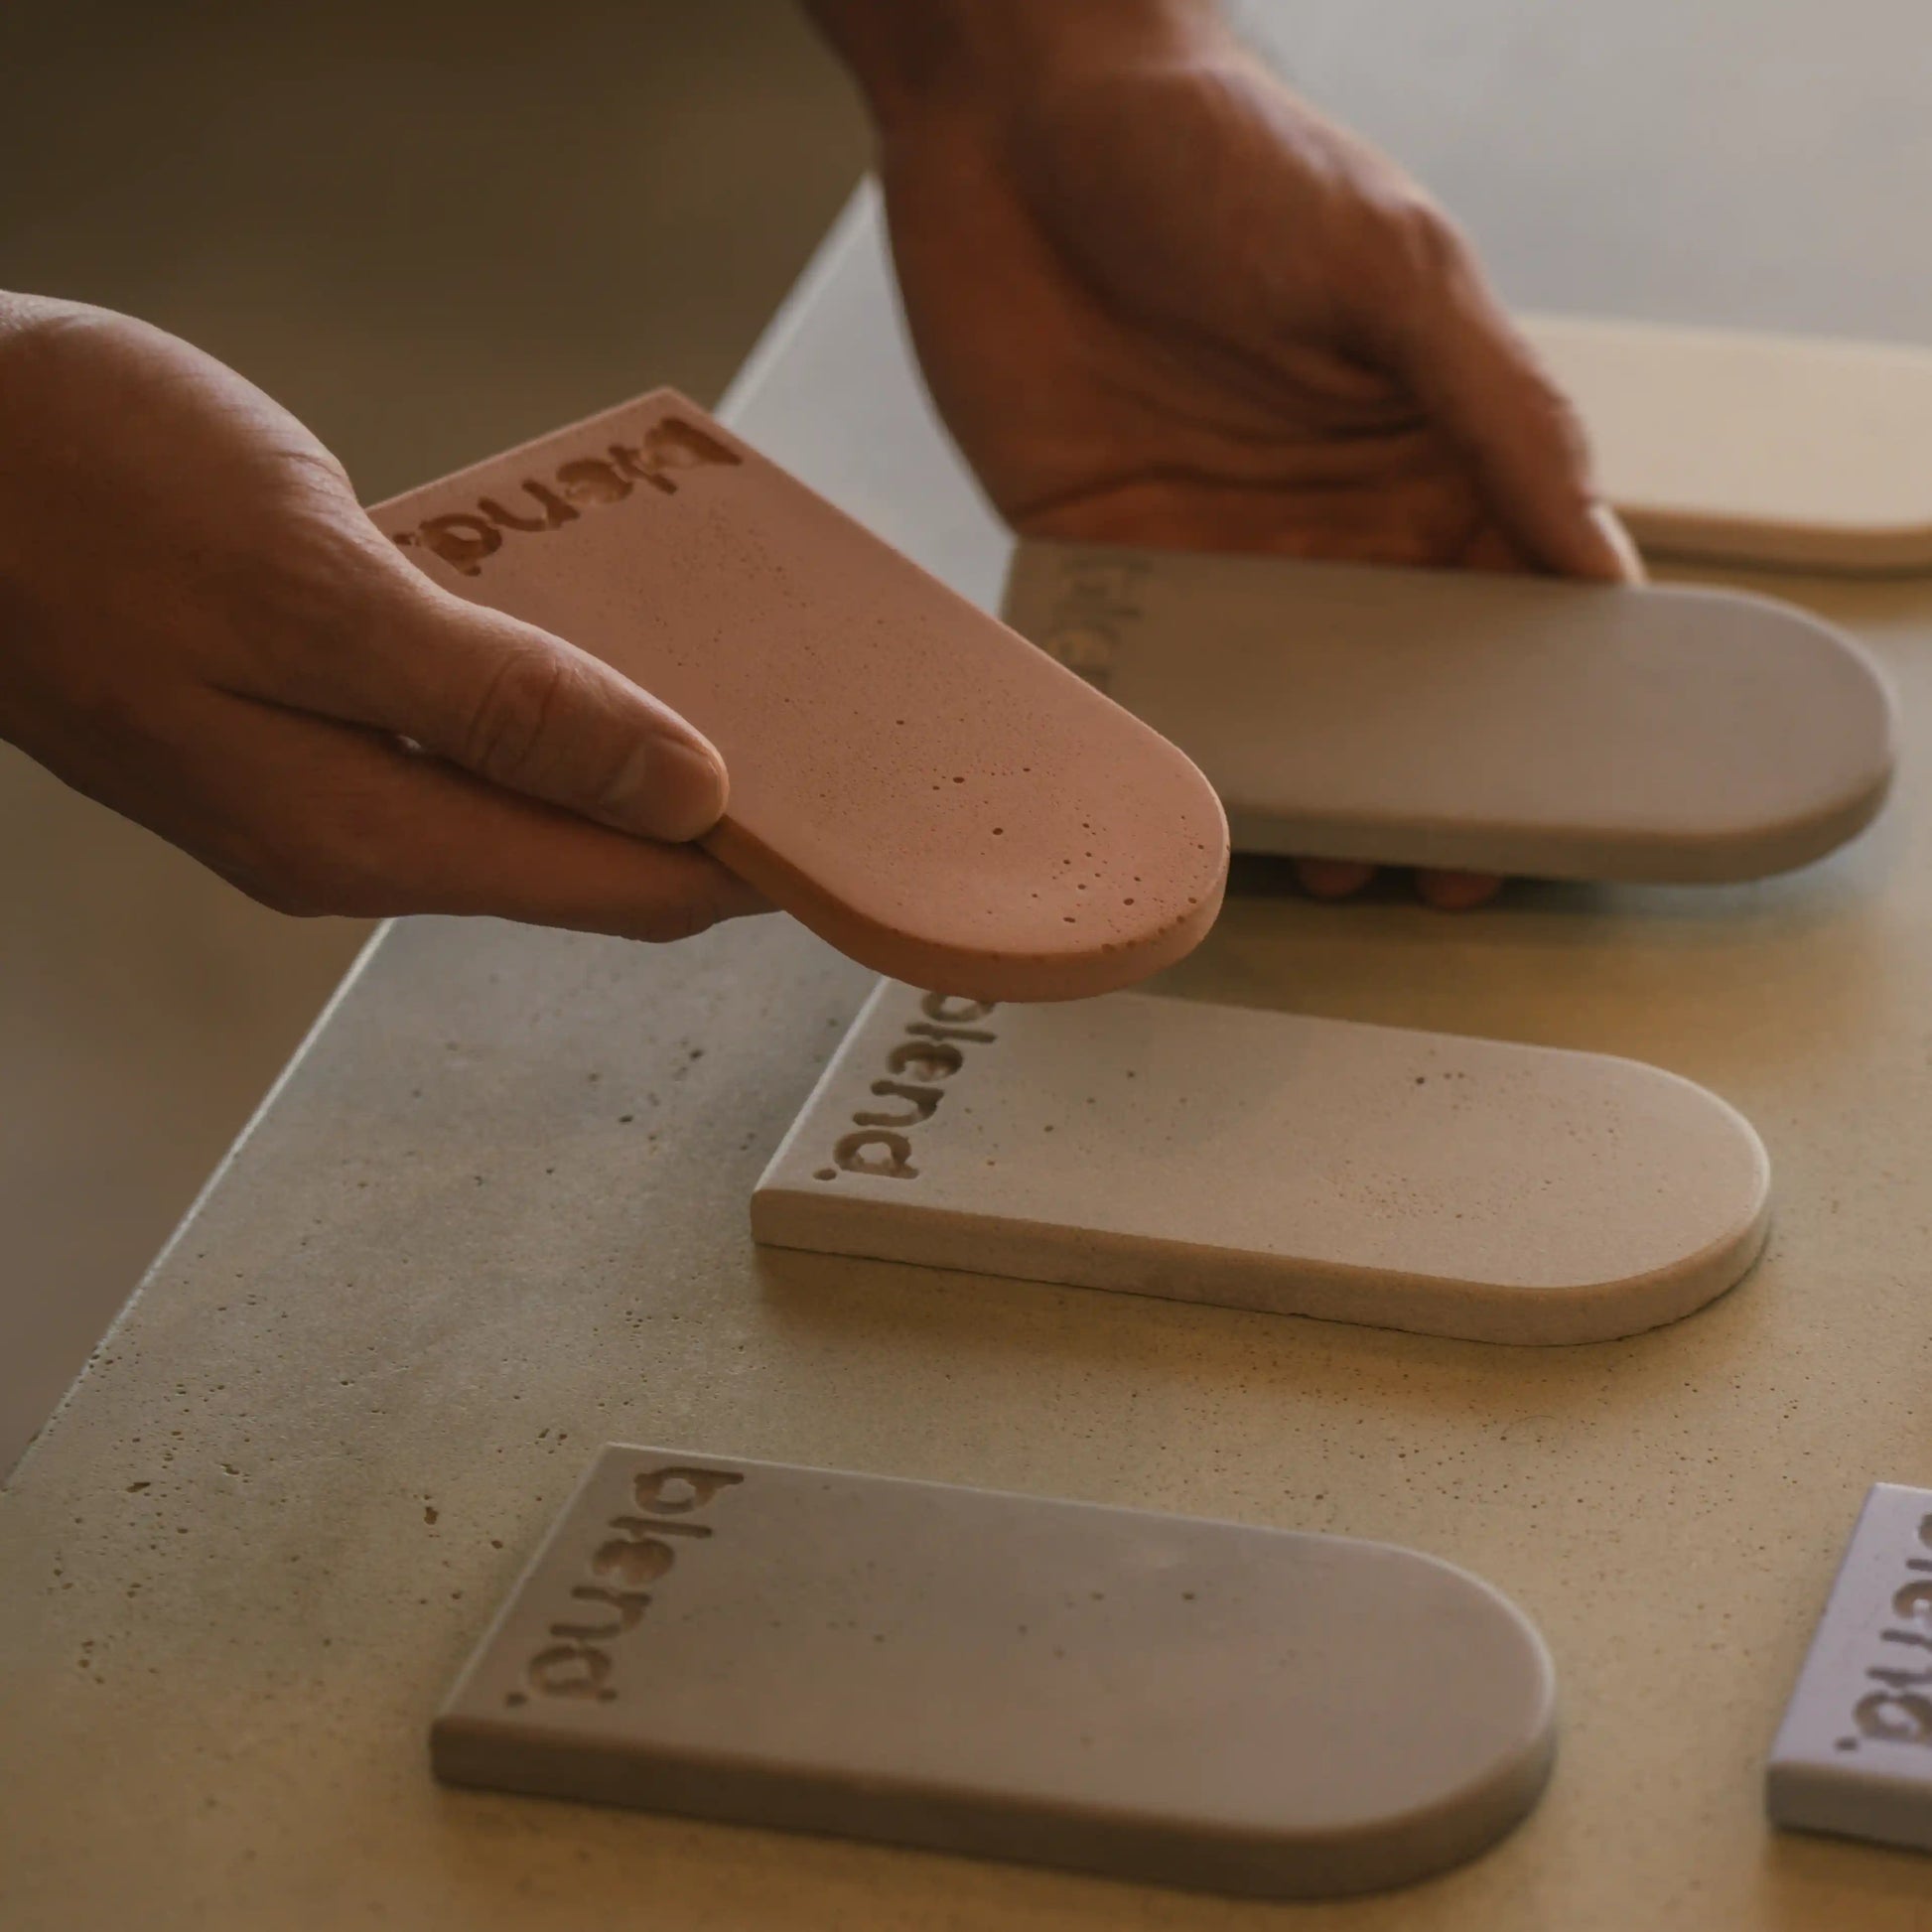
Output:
(1159, 300)
(202, 629)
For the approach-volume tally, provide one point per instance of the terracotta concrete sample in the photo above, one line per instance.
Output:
(1476, 720)
(1267, 1161)
(1854, 1754)
(906, 776)
(1754, 449)
(1150, 1697)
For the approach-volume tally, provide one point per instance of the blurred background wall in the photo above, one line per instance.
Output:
(431, 234)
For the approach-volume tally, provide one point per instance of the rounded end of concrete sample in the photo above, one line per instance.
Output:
(1799, 729)
(1755, 449)
(1158, 1698)
(1063, 849)
(1455, 1757)
(1474, 720)
(1698, 1188)
(907, 777)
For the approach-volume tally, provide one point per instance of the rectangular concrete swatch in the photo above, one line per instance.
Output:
(1475, 719)
(1854, 1756)
(1271, 1161)
(1147, 1696)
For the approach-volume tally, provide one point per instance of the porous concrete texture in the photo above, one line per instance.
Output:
(908, 778)
(246, 1560)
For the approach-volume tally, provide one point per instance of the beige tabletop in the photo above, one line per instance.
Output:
(496, 1214)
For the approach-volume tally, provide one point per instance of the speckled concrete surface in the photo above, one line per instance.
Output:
(496, 1217)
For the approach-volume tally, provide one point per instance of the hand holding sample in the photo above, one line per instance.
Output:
(1161, 301)
(201, 627)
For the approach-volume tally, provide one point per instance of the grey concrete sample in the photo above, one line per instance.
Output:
(1749, 448)
(1269, 1160)
(906, 778)
(1476, 720)
(1148, 1696)
(1854, 1754)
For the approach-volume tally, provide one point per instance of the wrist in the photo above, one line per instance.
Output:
(918, 60)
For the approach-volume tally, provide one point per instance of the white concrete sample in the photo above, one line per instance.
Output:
(1477, 720)
(1269, 1160)
(1751, 448)
(1854, 1754)
(1146, 1695)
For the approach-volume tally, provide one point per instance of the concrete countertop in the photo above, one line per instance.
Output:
(496, 1215)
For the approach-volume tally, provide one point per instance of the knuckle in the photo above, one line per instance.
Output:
(1410, 266)
(681, 917)
(512, 721)
(1426, 241)
(342, 873)
(1411, 260)
(1556, 433)
(311, 875)
(293, 614)
(318, 590)
(1566, 425)
(268, 886)
(288, 900)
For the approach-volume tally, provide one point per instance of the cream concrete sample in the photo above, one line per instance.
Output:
(1150, 1697)
(1263, 1159)
(1752, 447)
(906, 778)
(1854, 1754)
(1471, 719)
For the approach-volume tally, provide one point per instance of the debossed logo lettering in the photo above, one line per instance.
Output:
(614, 1594)
(464, 539)
(1096, 598)
(1899, 1712)
(920, 1063)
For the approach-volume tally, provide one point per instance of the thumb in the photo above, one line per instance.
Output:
(1483, 385)
(522, 709)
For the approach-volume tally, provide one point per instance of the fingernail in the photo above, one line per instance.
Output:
(670, 788)
(1611, 527)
